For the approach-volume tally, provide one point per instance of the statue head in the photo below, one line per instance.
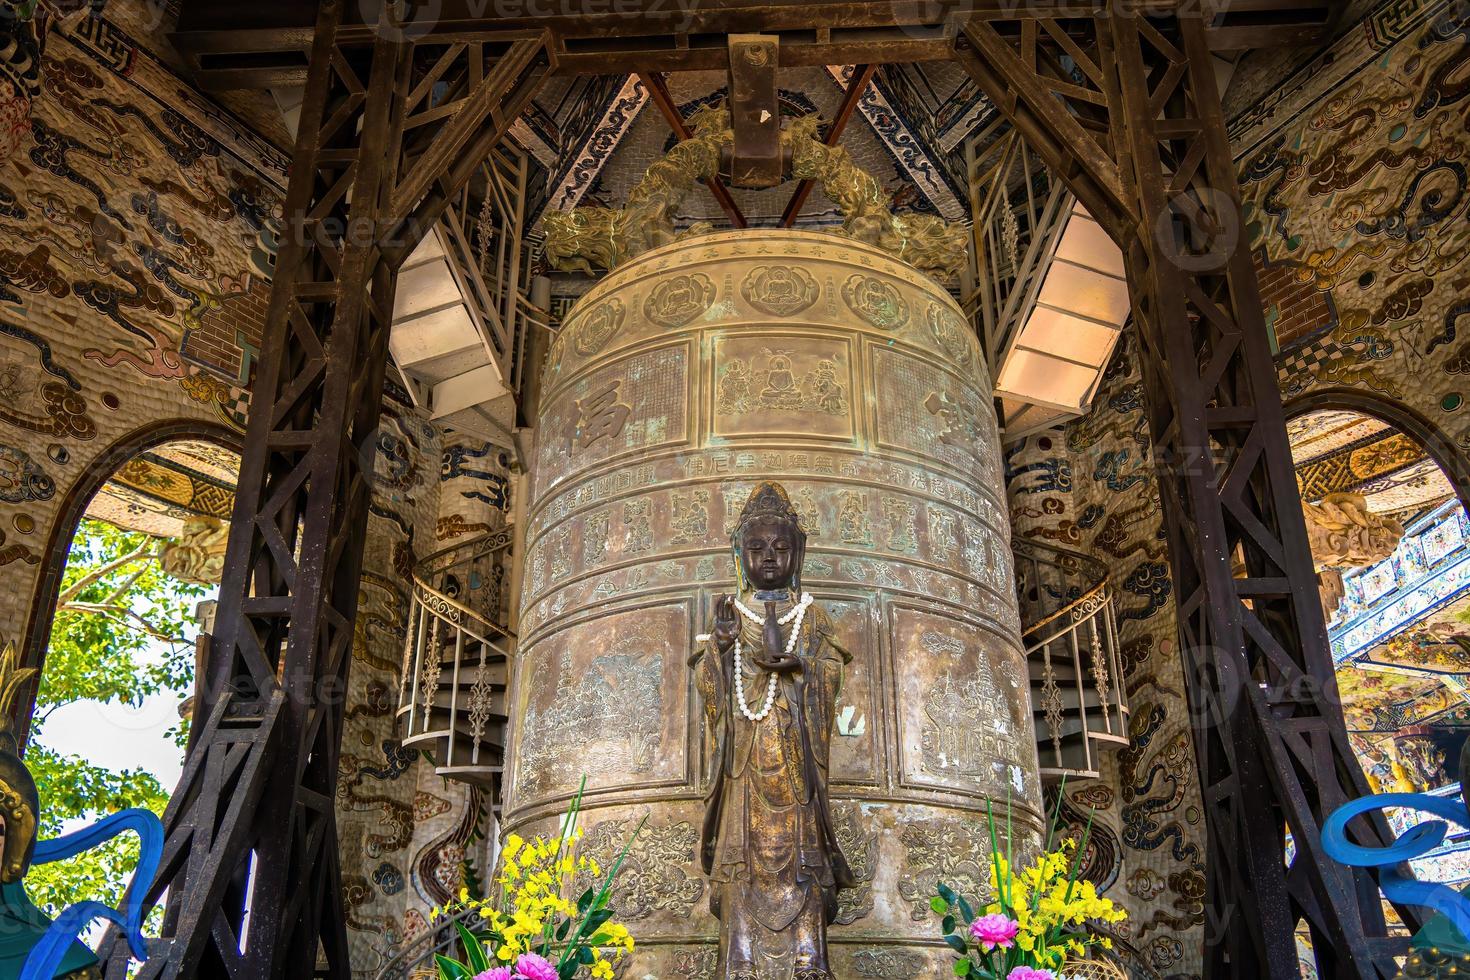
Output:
(769, 542)
(20, 805)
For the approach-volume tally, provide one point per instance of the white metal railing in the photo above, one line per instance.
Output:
(456, 675)
(1070, 635)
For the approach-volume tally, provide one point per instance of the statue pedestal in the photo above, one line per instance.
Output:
(678, 383)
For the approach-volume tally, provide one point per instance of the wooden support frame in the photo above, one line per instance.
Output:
(1123, 107)
(1269, 733)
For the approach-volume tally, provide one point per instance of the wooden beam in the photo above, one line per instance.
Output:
(861, 76)
(661, 98)
(264, 43)
(755, 110)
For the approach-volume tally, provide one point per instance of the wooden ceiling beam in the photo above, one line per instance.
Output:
(264, 42)
(861, 76)
(659, 92)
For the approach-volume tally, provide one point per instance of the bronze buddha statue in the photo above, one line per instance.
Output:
(770, 673)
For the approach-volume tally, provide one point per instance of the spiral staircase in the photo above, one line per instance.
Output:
(456, 669)
(1070, 635)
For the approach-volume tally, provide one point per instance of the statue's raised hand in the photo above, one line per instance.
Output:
(727, 623)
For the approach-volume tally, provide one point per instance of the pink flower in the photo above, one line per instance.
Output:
(499, 973)
(534, 967)
(995, 930)
(1030, 973)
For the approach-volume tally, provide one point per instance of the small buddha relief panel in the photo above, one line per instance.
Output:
(915, 544)
(640, 403)
(964, 707)
(603, 696)
(767, 383)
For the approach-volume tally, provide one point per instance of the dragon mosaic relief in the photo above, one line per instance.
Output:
(1359, 196)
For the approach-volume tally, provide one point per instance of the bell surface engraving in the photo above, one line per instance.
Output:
(743, 360)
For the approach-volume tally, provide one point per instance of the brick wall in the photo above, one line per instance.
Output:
(227, 339)
(1296, 309)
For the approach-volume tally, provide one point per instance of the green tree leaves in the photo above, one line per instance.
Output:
(123, 632)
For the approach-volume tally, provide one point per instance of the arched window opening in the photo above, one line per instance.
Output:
(113, 699)
(1391, 541)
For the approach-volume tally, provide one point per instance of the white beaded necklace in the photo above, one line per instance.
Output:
(797, 613)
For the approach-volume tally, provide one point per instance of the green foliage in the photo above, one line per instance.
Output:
(119, 637)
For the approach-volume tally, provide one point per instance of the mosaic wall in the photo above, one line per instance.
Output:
(1355, 182)
(131, 220)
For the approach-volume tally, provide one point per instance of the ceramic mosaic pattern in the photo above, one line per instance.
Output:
(130, 218)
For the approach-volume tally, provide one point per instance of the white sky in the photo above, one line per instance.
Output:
(120, 736)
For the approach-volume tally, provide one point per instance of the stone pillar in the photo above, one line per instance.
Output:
(678, 382)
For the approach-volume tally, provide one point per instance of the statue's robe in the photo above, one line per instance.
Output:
(22, 925)
(768, 837)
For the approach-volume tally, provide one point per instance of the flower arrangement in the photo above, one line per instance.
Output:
(533, 930)
(1039, 919)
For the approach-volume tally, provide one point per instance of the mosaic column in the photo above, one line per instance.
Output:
(678, 382)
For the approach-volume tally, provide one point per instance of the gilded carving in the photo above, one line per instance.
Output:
(885, 964)
(951, 333)
(961, 428)
(594, 538)
(875, 300)
(779, 290)
(579, 239)
(947, 851)
(769, 382)
(597, 326)
(638, 521)
(655, 874)
(806, 509)
(941, 534)
(601, 415)
(967, 726)
(561, 553)
(697, 964)
(677, 300)
(900, 513)
(616, 702)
